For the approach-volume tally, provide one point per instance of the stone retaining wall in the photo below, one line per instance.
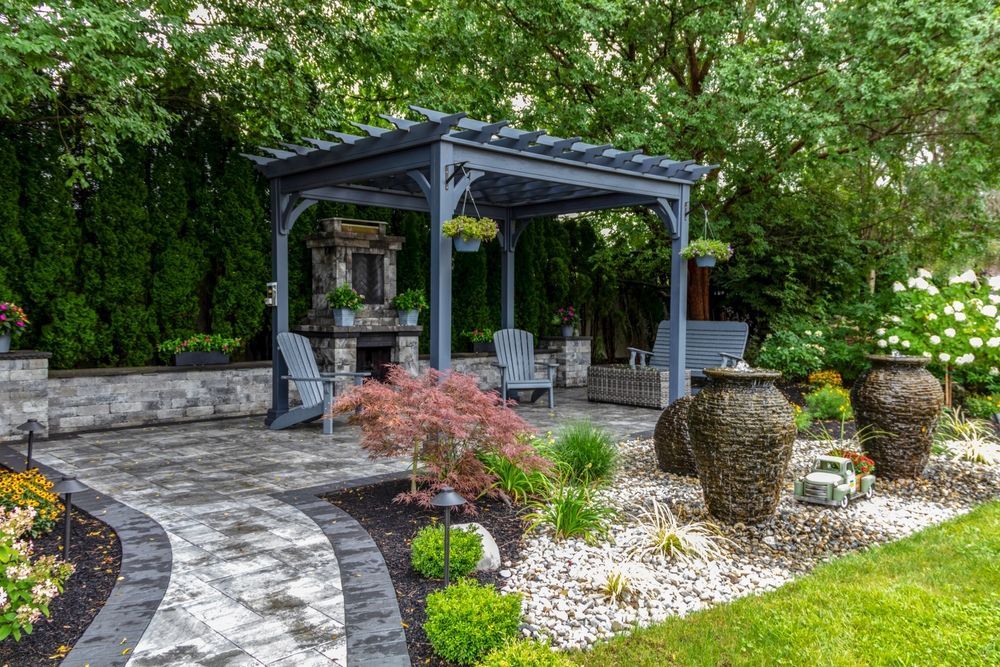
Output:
(104, 398)
(23, 391)
(94, 399)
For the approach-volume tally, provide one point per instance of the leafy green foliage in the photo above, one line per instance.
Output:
(525, 653)
(720, 250)
(571, 510)
(427, 552)
(587, 452)
(803, 420)
(344, 297)
(201, 343)
(829, 402)
(516, 481)
(411, 299)
(794, 355)
(470, 229)
(468, 620)
(981, 407)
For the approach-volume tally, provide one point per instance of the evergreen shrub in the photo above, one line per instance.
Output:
(525, 653)
(468, 620)
(427, 552)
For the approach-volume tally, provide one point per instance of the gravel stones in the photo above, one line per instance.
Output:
(672, 441)
(561, 581)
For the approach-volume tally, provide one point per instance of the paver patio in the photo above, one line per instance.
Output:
(254, 581)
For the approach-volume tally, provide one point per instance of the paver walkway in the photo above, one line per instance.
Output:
(254, 581)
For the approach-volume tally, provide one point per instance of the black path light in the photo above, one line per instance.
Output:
(32, 426)
(447, 498)
(68, 486)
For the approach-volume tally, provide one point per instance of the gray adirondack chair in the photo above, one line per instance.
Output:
(516, 361)
(315, 389)
(709, 344)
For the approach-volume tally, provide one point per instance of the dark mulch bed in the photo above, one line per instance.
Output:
(393, 526)
(97, 555)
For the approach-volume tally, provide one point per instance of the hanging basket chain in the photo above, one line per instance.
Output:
(468, 194)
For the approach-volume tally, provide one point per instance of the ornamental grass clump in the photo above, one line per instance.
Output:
(31, 489)
(27, 585)
(668, 537)
(443, 422)
(966, 439)
(468, 620)
(427, 552)
(587, 452)
(514, 482)
(570, 510)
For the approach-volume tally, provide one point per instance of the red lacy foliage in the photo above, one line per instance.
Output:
(443, 420)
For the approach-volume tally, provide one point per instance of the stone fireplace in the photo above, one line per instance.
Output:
(360, 254)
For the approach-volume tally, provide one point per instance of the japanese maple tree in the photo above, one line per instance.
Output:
(441, 421)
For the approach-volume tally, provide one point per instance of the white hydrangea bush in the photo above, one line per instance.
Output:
(955, 322)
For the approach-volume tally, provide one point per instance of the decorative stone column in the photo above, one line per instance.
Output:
(573, 356)
(24, 391)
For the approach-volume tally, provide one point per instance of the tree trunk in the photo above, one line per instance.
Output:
(698, 292)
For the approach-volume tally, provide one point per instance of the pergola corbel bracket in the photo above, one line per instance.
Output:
(291, 208)
(664, 210)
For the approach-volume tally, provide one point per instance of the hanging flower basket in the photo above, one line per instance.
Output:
(707, 252)
(468, 232)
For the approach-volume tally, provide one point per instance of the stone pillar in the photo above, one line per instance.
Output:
(573, 356)
(24, 391)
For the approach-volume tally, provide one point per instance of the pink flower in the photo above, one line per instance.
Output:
(20, 324)
(3, 306)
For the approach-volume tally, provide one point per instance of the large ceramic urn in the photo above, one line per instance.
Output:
(897, 404)
(742, 430)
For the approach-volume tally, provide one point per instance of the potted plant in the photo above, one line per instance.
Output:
(13, 322)
(344, 302)
(409, 304)
(469, 232)
(566, 318)
(201, 349)
(706, 252)
(481, 339)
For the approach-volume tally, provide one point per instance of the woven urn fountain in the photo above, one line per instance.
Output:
(742, 430)
(672, 441)
(899, 403)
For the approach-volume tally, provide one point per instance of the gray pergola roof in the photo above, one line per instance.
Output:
(512, 175)
(527, 174)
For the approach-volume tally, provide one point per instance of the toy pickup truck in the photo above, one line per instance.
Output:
(833, 481)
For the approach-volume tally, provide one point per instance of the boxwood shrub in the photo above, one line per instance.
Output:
(468, 620)
(427, 552)
(525, 654)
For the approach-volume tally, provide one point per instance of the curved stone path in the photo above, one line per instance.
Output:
(254, 581)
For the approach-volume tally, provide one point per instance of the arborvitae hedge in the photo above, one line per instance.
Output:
(176, 241)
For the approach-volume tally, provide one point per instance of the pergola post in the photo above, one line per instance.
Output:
(279, 313)
(507, 248)
(678, 297)
(440, 295)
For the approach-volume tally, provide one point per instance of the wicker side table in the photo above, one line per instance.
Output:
(621, 384)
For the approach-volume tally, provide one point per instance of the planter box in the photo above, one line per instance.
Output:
(484, 347)
(642, 387)
(200, 358)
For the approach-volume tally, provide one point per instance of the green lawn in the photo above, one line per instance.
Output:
(931, 599)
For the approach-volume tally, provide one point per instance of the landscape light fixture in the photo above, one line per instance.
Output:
(32, 426)
(67, 486)
(447, 498)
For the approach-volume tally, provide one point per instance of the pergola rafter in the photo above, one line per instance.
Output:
(435, 164)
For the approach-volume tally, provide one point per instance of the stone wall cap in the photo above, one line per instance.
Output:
(149, 370)
(25, 354)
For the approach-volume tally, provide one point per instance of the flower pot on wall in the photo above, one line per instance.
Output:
(900, 402)
(200, 358)
(408, 318)
(4, 343)
(741, 430)
(705, 261)
(343, 317)
(567, 330)
(463, 245)
(487, 347)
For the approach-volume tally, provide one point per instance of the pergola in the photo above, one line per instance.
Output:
(514, 176)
